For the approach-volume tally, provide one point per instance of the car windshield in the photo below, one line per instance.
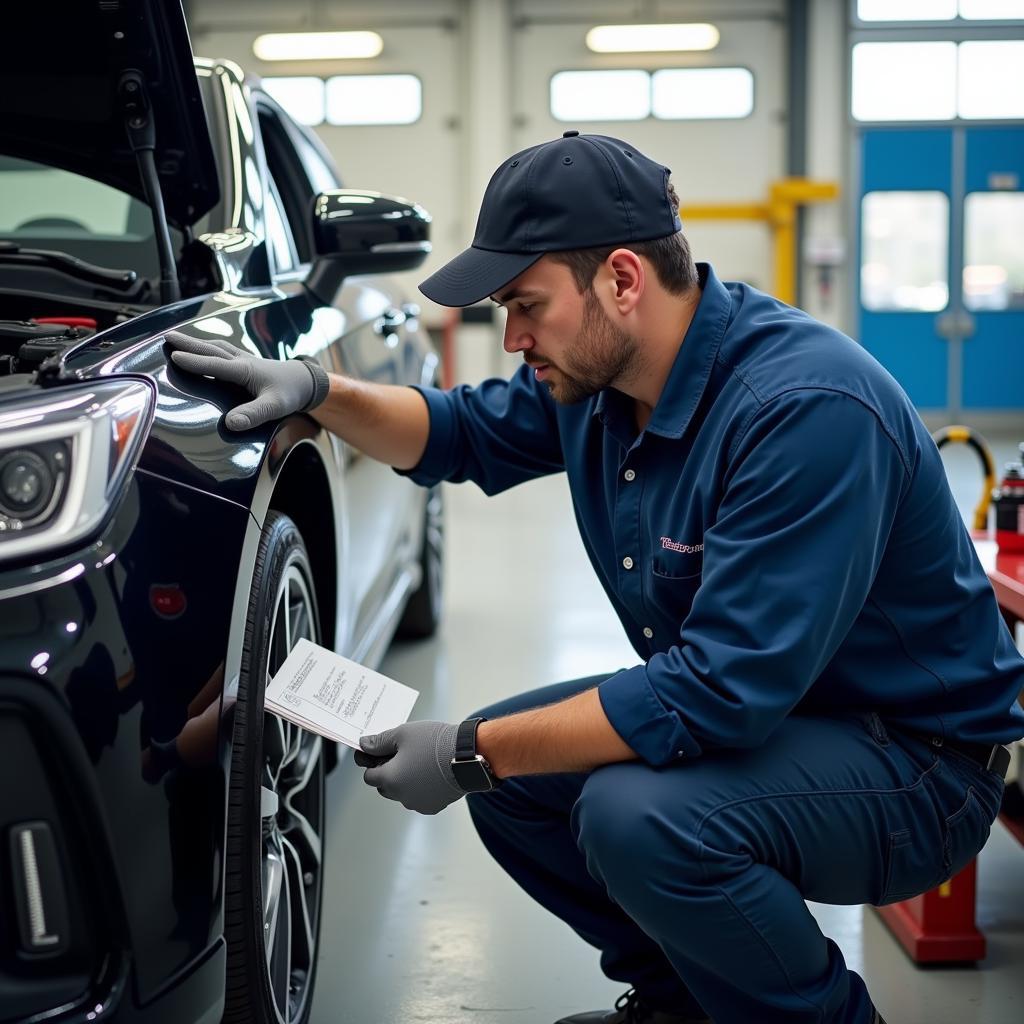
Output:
(45, 207)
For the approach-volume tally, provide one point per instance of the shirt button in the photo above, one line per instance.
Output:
(627, 562)
(630, 474)
(648, 632)
(680, 753)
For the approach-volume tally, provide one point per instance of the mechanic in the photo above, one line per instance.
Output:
(826, 681)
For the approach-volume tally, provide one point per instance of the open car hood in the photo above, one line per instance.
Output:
(59, 102)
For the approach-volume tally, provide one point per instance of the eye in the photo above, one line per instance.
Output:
(526, 307)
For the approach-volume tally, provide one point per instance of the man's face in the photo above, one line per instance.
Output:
(567, 338)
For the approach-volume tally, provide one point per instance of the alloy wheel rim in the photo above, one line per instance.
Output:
(292, 814)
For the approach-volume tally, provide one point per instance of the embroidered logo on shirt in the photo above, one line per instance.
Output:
(674, 545)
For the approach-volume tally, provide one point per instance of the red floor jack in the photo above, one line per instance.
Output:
(940, 925)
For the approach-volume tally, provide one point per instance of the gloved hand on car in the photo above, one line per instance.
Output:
(279, 387)
(412, 764)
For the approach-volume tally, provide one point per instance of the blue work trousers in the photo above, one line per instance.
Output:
(691, 878)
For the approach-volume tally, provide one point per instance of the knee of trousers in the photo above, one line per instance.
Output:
(509, 808)
(632, 843)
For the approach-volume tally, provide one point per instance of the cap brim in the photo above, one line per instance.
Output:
(474, 275)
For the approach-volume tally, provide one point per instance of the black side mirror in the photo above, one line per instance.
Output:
(358, 232)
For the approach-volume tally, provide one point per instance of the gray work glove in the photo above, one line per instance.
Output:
(280, 387)
(413, 765)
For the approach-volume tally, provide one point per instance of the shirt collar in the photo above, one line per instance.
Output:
(692, 367)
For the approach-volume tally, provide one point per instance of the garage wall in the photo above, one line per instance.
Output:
(826, 290)
(711, 161)
(486, 66)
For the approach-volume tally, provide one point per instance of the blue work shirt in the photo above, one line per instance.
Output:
(780, 536)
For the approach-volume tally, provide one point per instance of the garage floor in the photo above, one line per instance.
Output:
(420, 925)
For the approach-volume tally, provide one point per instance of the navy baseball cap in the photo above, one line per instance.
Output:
(577, 192)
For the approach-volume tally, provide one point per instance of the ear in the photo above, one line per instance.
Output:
(626, 273)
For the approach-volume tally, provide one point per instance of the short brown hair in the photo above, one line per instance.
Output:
(670, 256)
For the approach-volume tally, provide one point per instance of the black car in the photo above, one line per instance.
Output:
(161, 837)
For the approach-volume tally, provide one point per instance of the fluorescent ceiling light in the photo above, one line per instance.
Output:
(317, 45)
(651, 38)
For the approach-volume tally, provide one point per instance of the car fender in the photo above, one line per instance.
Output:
(296, 437)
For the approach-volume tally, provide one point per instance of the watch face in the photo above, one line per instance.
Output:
(472, 776)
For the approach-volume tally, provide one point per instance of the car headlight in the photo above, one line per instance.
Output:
(64, 455)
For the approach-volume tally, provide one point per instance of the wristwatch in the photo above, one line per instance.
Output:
(471, 770)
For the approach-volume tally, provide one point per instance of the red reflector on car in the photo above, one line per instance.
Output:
(167, 600)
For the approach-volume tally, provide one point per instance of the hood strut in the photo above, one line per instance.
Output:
(138, 122)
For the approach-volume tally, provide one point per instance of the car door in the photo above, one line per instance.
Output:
(360, 335)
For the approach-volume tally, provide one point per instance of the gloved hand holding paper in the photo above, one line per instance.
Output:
(338, 698)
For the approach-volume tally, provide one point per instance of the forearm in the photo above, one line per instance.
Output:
(571, 736)
(388, 422)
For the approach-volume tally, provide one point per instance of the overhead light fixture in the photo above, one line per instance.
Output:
(317, 45)
(651, 38)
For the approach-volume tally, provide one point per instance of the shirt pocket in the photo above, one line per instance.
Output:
(676, 565)
(673, 586)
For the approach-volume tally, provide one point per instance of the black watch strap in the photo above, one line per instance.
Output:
(465, 739)
(471, 770)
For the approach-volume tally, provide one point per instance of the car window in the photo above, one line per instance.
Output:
(279, 235)
(294, 187)
(322, 173)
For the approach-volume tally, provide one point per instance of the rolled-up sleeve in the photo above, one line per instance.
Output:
(496, 434)
(810, 495)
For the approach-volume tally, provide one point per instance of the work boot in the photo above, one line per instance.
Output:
(631, 1009)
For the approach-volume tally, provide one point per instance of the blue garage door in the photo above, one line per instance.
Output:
(941, 284)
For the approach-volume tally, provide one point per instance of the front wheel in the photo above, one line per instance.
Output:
(274, 883)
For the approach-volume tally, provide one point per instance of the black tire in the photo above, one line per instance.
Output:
(274, 864)
(422, 614)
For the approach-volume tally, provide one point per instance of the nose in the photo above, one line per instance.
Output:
(516, 340)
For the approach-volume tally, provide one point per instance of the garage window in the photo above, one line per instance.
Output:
(991, 79)
(939, 10)
(670, 94)
(619, 95)
(695, 93)
(906, 10)
(374, 99)
(938, 81)
(992, 10)
(904, 81)
(349, 99)
(303, 98)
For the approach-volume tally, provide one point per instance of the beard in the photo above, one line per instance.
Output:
(600, 354)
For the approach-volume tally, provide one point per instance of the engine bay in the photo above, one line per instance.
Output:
(25, 344)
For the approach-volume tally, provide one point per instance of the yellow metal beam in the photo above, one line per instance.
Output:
(803, 190)
(779, 213)
(725, 211)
